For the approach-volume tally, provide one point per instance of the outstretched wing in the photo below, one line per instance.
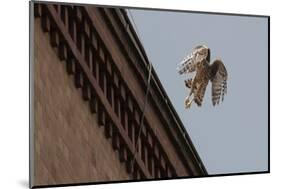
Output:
(189, 62)
(218, 76)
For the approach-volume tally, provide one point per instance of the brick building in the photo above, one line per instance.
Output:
(89, 77)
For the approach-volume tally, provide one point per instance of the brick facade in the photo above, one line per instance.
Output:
(90, 79)
(69, 145)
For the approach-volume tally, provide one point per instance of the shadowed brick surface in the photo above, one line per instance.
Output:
(106, 71)
(69, 146)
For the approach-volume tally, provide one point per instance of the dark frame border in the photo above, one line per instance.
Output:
(138, 8)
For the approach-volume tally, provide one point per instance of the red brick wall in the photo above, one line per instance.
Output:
(69, 145)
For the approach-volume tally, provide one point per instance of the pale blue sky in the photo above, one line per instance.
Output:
(231, 137)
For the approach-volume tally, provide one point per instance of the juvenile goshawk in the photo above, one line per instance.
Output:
(199, 61)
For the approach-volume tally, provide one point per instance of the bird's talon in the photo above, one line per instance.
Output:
(187, 103)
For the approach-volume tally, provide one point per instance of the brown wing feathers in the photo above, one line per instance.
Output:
(218, 76)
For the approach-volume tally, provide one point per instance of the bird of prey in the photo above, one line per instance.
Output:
(199, 61)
